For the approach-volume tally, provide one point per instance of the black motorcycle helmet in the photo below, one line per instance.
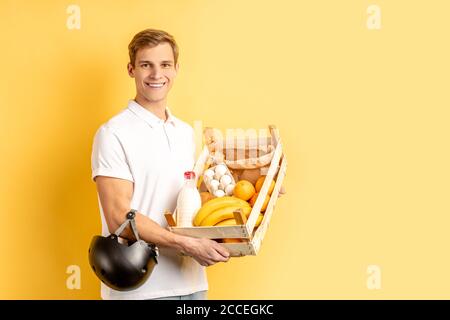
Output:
(120, 266)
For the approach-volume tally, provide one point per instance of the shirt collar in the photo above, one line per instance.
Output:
(149, 116)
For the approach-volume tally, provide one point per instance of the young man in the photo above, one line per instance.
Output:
(138, 160)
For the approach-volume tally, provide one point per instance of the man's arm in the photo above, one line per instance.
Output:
(115, 197)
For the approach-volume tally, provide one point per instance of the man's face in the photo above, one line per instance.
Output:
(154, 72)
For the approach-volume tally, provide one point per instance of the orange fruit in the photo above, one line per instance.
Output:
(244, 190)
(253, 200)
(232, 240)
(259, 184)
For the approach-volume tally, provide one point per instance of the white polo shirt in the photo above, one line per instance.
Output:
(138, 146)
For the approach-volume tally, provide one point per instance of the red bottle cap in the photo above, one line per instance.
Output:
(189, 175)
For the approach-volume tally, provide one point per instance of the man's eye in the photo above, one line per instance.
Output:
(166, 65)
(145, 65)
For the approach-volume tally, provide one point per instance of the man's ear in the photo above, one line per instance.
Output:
(130, 69)
(177, 67)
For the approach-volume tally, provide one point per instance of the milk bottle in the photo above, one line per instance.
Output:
(188, 201)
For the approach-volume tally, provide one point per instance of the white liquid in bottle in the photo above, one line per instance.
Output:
(188, 201)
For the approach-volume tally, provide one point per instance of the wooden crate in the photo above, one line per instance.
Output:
(245, 230)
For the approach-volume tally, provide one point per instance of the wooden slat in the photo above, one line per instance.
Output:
(216, 140)
(265, 188)
(213, 232)
(169, 218)
(260, 233)
(240, 249)
(240, 217)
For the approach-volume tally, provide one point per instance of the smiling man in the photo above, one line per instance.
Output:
(138, 160)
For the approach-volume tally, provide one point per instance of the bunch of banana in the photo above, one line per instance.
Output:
(219, 209)
(232, 222)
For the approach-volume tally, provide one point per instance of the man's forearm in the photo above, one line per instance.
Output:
(151, 232)
(205, 251)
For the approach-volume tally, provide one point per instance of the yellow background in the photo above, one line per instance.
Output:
(363, 115)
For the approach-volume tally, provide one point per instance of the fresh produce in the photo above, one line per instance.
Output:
(225, 180)
(232, 222)
(214, 185)
(259, 220)
(220, 170)
(226, 222)
(259, 183)
(255, 197)
(215, 204)
(233, 240)
(219, 193)
(244, 190)
(208, 173)
(223, 214)
(219, 181)
(229, 189)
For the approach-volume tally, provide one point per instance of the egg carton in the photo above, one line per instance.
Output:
(219, 181)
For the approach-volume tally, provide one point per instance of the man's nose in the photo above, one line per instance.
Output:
(156, 73)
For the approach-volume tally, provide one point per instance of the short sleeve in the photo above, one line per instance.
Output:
(108, 156)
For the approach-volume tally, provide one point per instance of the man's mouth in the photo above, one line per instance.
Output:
(155, 85)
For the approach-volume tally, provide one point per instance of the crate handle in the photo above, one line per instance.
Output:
(239, 216)
(170, 220)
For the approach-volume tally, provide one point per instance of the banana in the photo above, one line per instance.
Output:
(217, 203)
(224, 213)
(226, 222)
(259, 220)
(232, 222)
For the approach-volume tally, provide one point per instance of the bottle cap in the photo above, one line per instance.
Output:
(189, 175)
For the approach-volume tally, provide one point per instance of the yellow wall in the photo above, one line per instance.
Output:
(363, 115)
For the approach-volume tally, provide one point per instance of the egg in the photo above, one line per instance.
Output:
(217, 176)
(222, 186)
(225, 180)
(208, 173)
(229, 189)
(219, 193)
(214, 184)
(220, 169)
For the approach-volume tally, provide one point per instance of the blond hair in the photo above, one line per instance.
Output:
(151, 38)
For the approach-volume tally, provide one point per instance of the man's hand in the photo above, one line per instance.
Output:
(206, 252)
